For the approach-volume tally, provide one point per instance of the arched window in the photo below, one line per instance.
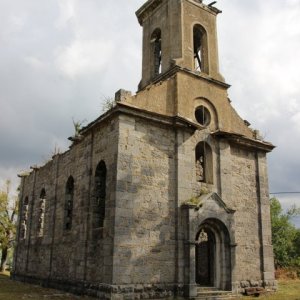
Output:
(100, 194)
(69, 197)
(41, 213)
(24, 218)
(204, 163)
(156, 50)
(200, 49)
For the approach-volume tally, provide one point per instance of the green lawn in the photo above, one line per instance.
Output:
(12, 290)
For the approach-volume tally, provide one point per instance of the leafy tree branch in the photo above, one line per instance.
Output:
(8, 213)
(285, 236)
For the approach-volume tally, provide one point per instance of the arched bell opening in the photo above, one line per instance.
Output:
(156, 49)
(200, 46)
(213, 257)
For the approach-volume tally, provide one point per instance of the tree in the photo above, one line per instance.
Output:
(8, 213)
(297, 251)
(108, 104)
(285, 236)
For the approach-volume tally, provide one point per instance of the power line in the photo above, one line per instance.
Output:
(277, 193)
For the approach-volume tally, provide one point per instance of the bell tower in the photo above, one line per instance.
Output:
(180, 33)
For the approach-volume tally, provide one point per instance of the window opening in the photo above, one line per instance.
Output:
(202, 115)
(41, 214)
(69, 197)
(156, 41)
(100, 194)
(24, 219)
(198, 48)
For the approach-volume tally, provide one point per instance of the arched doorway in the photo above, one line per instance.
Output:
(213, 258)
(205, 258)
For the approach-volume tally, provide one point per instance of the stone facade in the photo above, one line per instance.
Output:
(166, 192)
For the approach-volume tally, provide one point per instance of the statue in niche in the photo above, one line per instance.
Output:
(200, 169)
(203, 237)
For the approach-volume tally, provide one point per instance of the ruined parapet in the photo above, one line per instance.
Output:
(122, 95)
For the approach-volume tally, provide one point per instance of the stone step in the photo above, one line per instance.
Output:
(206, 288)
(255, 291)
(214, 294)
(217, 297)
(232, 297)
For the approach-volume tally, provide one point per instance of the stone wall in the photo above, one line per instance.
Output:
(245, 201)
(144, 242)
(80, 253)
(246, 190)
(134, 254)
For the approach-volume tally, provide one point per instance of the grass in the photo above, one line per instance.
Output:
(287, 290)
(12, 290)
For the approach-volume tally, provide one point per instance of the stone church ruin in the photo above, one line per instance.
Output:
(165, 194)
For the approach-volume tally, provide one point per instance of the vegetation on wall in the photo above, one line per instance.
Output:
(108, 103)
(78, 125)
(8, 215)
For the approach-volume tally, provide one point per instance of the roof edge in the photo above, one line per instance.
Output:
(245, 141)
(176, 120)
(148, 7)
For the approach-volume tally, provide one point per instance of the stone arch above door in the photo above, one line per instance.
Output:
(213, 257)
(211, 214)
(211, 206)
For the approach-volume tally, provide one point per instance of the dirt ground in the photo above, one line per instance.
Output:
(12, 290)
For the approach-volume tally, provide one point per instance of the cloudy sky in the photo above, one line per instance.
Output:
(60, 58)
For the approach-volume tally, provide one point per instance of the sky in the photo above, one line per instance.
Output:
(59, 60)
